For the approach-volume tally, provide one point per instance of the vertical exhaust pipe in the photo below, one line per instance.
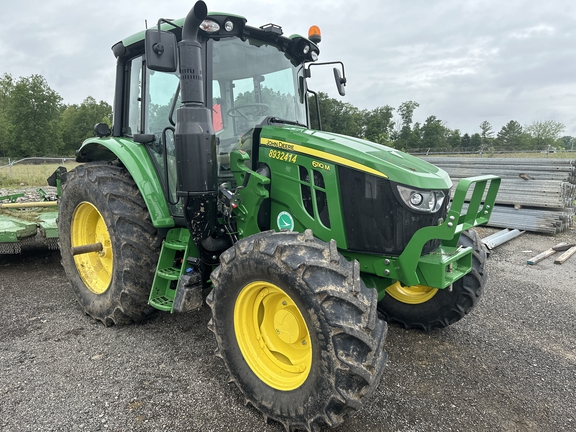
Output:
(191, 79)
(195, 141)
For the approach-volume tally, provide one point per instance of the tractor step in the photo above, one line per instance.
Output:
(174, 289)
(170, 273)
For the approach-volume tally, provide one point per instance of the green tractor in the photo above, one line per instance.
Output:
(211, 180)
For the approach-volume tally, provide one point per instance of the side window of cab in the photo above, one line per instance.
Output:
(133, 101)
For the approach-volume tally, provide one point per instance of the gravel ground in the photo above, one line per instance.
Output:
(509, 366)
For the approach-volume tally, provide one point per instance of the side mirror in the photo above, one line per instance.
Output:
(340, 82)
(160, 50)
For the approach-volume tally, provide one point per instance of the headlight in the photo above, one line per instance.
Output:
(428, 201)
(210, 26)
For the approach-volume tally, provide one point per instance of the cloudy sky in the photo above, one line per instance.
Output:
(464, 61)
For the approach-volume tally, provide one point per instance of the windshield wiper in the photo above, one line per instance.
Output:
(278, 120)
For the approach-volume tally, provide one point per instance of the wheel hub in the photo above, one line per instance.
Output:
(88, 227)
(272, 335)
(414, 294)
(287, 326)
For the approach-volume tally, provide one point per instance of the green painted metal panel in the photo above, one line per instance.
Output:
(47, 224)
(247, 200)
(13, 230)
(359, 154)
(298, 177)
(137, 161)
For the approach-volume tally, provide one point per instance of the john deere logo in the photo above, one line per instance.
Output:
(285, 221)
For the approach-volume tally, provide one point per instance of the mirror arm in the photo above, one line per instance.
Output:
(340, 80)
(158, 47)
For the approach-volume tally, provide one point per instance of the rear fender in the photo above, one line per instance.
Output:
(137, 161)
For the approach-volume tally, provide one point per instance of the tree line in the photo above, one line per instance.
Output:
(396, 128)
(34, 121)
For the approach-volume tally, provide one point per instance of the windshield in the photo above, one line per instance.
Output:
(252, 80)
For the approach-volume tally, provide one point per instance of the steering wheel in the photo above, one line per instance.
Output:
(259, 110)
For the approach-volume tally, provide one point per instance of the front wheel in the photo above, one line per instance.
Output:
(297, 329)
(426, 308)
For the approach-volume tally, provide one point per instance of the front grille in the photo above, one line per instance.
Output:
(374, 220)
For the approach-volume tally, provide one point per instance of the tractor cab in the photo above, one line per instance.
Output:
(251, 76)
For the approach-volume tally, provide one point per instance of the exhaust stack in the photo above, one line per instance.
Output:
(191, 79)
(195, 141)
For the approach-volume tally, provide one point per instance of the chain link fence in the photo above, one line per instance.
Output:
(6, 164)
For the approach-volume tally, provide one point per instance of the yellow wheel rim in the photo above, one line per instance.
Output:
(272, 335)
(415, 294)
(88, 227)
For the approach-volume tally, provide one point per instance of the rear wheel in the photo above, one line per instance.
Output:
(101, 204)
(427, 308)
(297, 329)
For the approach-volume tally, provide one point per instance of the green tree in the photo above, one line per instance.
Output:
(415, 138)
(544, 133)
(453, 138)
(33, 111)
(346, 119)
(6, 87)
(487, 135)
(338, 117)
(77, 122)
(568, 142)
(406, 111)
(434, 133)
(486, 131)
(475, 142)
(511, 136)
(378, 124)
(465, 142)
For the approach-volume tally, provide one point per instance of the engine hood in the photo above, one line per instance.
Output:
(359, 154)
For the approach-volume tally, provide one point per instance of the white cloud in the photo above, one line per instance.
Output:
(540, 30)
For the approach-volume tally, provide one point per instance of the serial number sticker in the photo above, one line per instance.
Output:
(283, 156)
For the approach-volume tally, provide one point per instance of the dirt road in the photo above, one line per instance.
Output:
(509, 366)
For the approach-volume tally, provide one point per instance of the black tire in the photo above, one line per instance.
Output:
(446, 306)
(115, 210)
(346, 336)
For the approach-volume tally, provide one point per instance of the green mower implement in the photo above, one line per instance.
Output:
(22, 222)
(211, 187)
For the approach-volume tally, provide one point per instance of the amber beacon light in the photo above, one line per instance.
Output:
(314, 34)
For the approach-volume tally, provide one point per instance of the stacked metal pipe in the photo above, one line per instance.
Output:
(535, 194)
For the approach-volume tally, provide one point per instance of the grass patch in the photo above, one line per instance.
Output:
(24, 175)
